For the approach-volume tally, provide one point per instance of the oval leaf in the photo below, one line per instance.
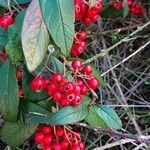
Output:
(9, 99)
(35, 37)
(70, 114)
(15, 134)
(34, 113)
(110, 117)
(94, 119)
(59, 18)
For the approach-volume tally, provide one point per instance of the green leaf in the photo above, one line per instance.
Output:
(70, 114)
(15, 134)
(5, 2)
(53, 64)
(59, 18)
(94, 119)
(34, 113)
(9, 99)
(28, 93)
(110, 117)
(14, 47)
(125, 8)
(35, 37)
(111, 12)
(3, 37)
(97, 74)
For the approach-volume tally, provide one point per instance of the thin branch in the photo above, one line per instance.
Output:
(127, 58)
(105, 51)
(113, 133)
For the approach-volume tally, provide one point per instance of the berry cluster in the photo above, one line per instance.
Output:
(67, 92)
(85, 13)
(87, 81)
(79, 44)
(58, 138)
(134, 7)
(6, 21)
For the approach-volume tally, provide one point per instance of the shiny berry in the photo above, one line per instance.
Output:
(76, 147)
(93, 82)
(46, 130)
(64, 102)
(39, 137)
(46, 83)
(76, 65)
(77, 101)
(57, 96)
(59, 131)
(6, 21)
(81, 36)
(87, 69)
(68, 87)
(65, 145)
(51, 88)
(57, 79)
(47, 148)
(70, 97)
(57, 146)
(36, 84)
(84, 89)
(82, 146)
(47, 140)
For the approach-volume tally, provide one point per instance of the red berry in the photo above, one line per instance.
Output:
(82, 146)
(59, 131)
(19, 75)
(70, 97)
(83, 44)
(36, 84)
(80, 81)
(78, 49)
(93, 82)
(64, 102)
(77, 89)
(6, 21)
(51, 88)
(46, 83)
(68, 136)
(57, 96)
(84, 89)
(39, 137)
(77, 101)
(57, 79)
(76, 65)
(46, 130)
(57, 146)
(47, 140)
(81, 36)
(65, 145)
(68, 87)
(87, 69)
(47, 148)
(76, 147)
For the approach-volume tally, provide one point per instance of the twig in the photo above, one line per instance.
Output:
(127, 58)
(145, 139)
(110, 145)
(105, 51)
